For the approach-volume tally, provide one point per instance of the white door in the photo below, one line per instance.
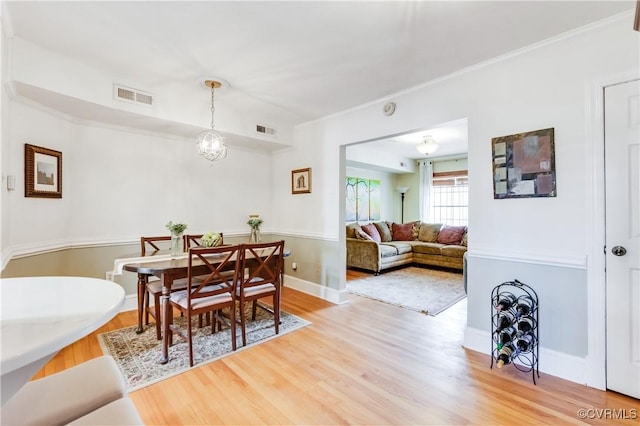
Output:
(622, 174)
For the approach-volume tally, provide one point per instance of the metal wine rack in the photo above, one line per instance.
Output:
(523, 360)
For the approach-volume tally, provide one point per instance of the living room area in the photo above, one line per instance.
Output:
(406, 214)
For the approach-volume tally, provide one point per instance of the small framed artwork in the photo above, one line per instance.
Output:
(42, 172)
(524, 165)
(301, 181)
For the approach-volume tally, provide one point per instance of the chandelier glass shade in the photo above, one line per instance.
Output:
(211, 144)
(428, 145)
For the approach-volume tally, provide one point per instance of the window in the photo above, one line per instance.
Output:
(450, 198)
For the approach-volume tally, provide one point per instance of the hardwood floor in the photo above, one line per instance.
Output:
(364, 362)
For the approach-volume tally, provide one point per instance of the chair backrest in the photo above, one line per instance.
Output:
(212, 266)
(265, 262)
(150, 244)
(195, 240)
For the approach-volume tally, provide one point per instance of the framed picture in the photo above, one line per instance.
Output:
(362, 199)
(301, 181)
(524, 165)
(42, 172)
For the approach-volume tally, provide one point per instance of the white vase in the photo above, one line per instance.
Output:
(176, 244)
(255, 236)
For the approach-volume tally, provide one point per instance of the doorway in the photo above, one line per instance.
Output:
(622, 241)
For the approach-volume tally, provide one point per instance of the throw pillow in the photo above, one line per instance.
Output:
(402, 231)
(384, 231)
(361, 235)
(371, 229)
(416, 230)
(465, 239)
(351, 229)
(451, 234)
(429, 232)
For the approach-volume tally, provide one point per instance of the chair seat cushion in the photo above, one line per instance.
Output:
(66, 396)
(180, 298)
(264, 289)
(156, 286)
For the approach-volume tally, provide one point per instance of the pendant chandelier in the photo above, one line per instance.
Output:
(428, 145)
(211, 144)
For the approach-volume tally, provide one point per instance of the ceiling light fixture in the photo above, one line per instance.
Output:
(428, 145)
(211, 144)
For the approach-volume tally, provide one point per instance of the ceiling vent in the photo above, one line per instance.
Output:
(265, 130)
(128, 94)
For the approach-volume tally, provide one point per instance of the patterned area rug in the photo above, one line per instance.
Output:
(429, 291)
(137, 355)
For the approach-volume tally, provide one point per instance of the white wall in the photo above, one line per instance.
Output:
(542, 239)
(119, 184)
(363, 154)
(4, 135)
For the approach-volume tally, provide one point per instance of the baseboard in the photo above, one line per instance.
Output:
(559, 364)
(131, 303)
(329, 294)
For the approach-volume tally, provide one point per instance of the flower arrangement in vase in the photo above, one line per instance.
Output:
(254, 222)
(176, 230)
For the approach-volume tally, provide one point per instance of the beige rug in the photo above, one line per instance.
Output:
(137, 355)
(429, 291)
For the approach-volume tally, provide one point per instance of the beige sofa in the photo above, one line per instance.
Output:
(429, 244)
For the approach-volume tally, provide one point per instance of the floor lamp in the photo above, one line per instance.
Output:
(402, 190)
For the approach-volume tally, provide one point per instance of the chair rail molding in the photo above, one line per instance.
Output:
(573, 262)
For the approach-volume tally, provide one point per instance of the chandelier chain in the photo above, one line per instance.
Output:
(213, 109)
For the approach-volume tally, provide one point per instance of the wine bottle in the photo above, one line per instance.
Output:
(505, 301)
(507, 334)
(524, 341)
(504, 320)
(525, 305)
(504, 357)
(525, 323)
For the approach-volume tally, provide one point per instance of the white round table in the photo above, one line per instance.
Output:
(41, 315)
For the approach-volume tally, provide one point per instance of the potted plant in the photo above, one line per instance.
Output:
(176, 230)
(254, 222)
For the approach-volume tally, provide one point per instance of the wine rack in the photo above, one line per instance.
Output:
(514, 327)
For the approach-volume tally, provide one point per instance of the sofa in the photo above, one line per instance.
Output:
(382, 245)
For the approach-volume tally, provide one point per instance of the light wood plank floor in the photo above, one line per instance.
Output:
(360, 363)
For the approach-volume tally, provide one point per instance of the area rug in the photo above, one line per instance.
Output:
(429, 291)
(137, 355)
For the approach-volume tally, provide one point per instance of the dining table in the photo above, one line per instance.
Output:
(168, 268)
(41, 315)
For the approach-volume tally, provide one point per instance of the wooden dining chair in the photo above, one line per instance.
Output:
(264, 263)
(195, 240)
(152, 286)
(213, 293)
(154, 244)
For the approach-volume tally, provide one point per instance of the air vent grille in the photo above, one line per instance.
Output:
(144, 98)
(265, 130)
(127, 94)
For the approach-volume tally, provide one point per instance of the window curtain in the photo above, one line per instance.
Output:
(426, 182)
